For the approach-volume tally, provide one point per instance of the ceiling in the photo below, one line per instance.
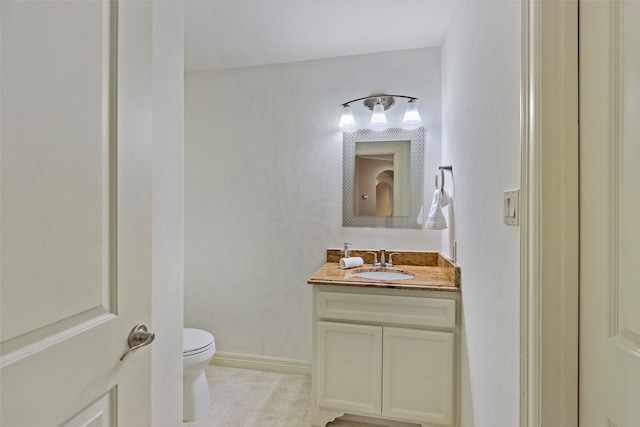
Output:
(238, 33)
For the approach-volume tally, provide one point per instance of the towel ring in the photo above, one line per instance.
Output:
(442, 169)
(440, 185)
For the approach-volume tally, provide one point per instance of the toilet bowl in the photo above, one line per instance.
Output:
(197, 350)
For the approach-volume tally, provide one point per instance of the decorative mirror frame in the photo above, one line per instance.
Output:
(417, 142)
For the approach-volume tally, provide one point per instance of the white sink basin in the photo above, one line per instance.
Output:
(384, 275)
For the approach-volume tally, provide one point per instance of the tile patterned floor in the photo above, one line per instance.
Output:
(249, 398)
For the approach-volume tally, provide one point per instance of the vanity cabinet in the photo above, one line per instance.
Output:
(385, 353)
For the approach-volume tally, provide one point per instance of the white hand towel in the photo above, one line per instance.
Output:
(420, 219)
(445, 198)
(354, 261)
(436, 220)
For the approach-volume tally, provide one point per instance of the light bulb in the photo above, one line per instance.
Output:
(378, 118)
(347, 121)
(412, 115)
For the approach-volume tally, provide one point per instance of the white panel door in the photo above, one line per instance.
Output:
(75, 199)
(418, 374)
(350, 367)
(609, 213)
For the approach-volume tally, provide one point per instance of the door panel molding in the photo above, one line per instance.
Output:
(26, 345)
(624, 320)
(101, 413)
(615, 106)
(111, 155)
(609, 208)
(40, 250)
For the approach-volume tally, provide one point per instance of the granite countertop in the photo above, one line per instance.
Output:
(432, 271)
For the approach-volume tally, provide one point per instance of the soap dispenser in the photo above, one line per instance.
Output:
(345, 252)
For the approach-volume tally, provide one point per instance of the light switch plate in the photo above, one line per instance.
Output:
(511, 211)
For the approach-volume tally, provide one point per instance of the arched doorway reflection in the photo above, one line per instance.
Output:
(384, 193)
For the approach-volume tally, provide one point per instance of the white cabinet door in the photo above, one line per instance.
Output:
(76, 212)
(418, 372)
(350, 362)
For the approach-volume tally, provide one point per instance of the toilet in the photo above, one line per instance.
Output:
(197, 350)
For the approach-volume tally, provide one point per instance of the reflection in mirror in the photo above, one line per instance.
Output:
(384, 193)
(383, 178)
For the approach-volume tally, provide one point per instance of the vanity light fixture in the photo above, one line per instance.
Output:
(378, 104)
(347, 121)
(412, 115)
(378, 118)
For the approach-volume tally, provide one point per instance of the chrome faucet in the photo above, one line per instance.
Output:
(390, 263)
(383, 262)
(375, 259)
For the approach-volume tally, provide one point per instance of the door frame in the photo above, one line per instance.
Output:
(549, 230)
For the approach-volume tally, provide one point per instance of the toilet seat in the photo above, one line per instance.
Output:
(196, 341)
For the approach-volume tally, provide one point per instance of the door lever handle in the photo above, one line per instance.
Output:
(138, 337)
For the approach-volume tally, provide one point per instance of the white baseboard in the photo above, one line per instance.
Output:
(376, 421)
(261, 363)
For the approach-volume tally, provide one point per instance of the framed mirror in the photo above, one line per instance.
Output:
(383, 178)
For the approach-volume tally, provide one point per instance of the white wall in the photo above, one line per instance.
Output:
(481, 139)
(168, 213)
(263, 189)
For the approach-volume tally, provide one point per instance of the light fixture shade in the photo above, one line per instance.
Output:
(347, 121)
(412, 115)
(378, 118)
